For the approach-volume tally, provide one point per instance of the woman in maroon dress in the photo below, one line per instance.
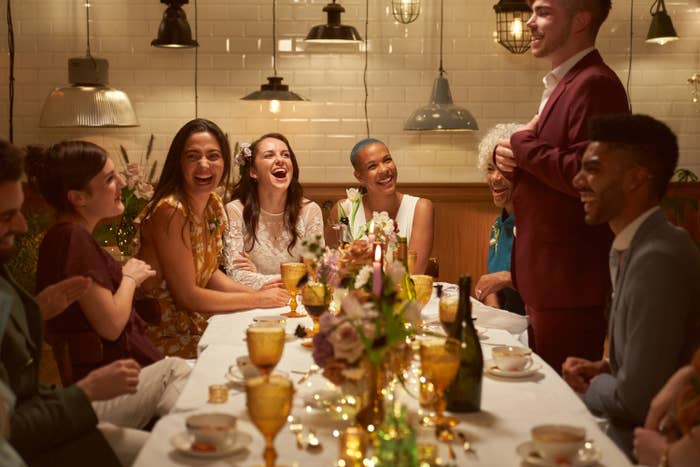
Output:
(79, 181)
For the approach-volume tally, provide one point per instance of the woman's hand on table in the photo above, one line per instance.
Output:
(272, 297)
(578, 372)
(273, 284)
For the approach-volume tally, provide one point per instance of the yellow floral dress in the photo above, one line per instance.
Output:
(179, 330)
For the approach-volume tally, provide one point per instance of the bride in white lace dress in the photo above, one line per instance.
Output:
(268, 217)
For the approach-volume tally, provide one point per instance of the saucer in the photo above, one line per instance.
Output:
(236, 379)
(182, 442)
(490, 367)
(586, 456)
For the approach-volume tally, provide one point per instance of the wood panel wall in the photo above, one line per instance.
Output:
(464, 214)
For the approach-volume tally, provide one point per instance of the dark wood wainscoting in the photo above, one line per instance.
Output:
(463, 217)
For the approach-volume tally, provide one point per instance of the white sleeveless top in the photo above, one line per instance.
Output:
(404, 217)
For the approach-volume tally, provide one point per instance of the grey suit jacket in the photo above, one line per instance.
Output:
(654, 323)
(50, 425)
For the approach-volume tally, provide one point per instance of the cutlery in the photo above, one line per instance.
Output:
(445, 435)
(466, 445)
(297, 428)
(312, 440)
(313, 369)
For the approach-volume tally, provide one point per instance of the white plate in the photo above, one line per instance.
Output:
(490, 366)
(588, 455)
(182, 442)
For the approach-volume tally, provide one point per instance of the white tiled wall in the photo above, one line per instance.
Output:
(235, 58)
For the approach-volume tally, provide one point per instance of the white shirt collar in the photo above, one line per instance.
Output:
(564, 67)
(624, 238)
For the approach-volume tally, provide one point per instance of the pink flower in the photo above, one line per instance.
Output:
(143, 190)
(346, 342)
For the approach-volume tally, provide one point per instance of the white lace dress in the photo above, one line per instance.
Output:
(270, 249)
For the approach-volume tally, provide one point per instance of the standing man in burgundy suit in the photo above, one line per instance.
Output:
(559, 264)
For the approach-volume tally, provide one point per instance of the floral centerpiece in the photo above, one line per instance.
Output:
(373, 323)
(138, 191)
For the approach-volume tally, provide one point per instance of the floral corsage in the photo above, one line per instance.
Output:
(243, 155)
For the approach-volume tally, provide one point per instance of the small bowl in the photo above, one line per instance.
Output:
(557, 443)
(215, 430)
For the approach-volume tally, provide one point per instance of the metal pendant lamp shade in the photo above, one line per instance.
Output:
(405, 11)
(511, 20)
(661, 29)
(441, 113)
(174, 31)
(88, 101)
(333, 32)
(274, 90)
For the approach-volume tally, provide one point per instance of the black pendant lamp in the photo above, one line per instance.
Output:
(441, 114)
(511, 20)
(333, 32)
(174, 31)
(274, 91)
(661, 29)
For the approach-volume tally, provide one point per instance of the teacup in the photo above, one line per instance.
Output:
(248, 370)
(211, 430)
(510, 358)
(557, 443)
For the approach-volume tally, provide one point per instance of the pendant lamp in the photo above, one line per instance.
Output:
(333, 32)
(405, 11)
(88, 101)
(440, 113)
(174, 31)
(274, 91)
(511, 20)
(661, 29)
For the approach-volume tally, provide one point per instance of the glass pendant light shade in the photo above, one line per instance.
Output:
(405, 11)
(273, 90)
(174, 31)
(441, 113)
(511, 25)
(661, 29)
(88, 101)
(333, 32)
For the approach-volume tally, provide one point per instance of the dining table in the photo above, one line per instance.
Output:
(498, 434)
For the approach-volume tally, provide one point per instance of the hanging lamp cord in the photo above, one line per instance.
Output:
(274, 37)
(442, 26)
(629, 65)
(11, 84)
(364, 73)
(196, 63)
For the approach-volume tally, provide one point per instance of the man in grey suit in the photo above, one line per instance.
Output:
(654, 267)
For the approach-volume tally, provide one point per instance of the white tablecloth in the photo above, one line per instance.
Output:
(510, 407)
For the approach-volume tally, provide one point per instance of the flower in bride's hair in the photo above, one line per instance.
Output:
(243, 155)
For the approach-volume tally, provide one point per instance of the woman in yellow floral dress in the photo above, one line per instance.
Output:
(181, 237)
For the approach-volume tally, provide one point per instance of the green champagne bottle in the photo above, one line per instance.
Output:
(464, 393)
(407, 286)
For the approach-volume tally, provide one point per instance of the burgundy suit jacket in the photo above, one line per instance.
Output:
(558, 261)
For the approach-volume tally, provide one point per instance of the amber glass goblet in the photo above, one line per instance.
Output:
(291, 275)
(316, 298)
(440, 358)
(265, 345)
(269, 401)
(449, 302)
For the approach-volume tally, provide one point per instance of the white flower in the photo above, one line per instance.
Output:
(353, 194)
(143, 190)
(352, 307)
(363, 276)
(345, 207)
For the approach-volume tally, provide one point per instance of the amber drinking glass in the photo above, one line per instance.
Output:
(316, 298)
(265, 345)
(439, 365)
(269, 401)
(424, 287)
(449, 302)
(291, 275)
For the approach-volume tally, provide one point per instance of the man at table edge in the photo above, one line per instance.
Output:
(654, 323)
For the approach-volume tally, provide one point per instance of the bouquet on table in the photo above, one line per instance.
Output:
(373, 321)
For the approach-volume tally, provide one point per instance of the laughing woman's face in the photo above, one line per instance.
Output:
(202, 163)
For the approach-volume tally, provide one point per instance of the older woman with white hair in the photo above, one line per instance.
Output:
(496, 287)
